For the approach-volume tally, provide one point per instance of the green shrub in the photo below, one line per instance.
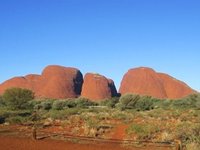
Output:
(46, 105)
(196, 98)
(71, 103)
(110, 102)
(92, 123)
(119, 115)
(128, 101)
(165, 104)
(58, 105)
(188, 132)
(83, 103)
(142, 131)
(63, 104)
(62, 114)
(33, 104)
(197, 105)
(2, 102)
(144, 103)
(192, 146)
(191, 101)
(16, 120)
(17, 98)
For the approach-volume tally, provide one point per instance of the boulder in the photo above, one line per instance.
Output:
(55, 82)
(97, 87)
(145, 81)
(60, 82)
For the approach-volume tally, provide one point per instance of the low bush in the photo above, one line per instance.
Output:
(192, 146)
(84, 103)
(164, 104)
(191, 101)
(2, 102)
(188, 132)
(111, 102)
(142, 131)
(61, 114)
(121, 115)
(92, 123)
(72, 103)
(144, 103)
(33, 104)
(59, 105)
(46, 105)
(16, 120)
(17, 98)
(127, 101)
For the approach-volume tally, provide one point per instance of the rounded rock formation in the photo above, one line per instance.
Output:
(145, 81)
(97, 87)
(55, 82)
(175, 88)
(60, 82)
(28, 82)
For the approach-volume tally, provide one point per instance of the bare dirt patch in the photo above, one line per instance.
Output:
(14, 143)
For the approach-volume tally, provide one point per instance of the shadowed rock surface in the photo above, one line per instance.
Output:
(97, 87)
(55, 82)
(146, 81)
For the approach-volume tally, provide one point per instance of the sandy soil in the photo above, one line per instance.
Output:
(119, 132)
(20, 143)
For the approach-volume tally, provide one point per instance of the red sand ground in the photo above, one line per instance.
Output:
(14, 143)
(120, 132)
(19, 138)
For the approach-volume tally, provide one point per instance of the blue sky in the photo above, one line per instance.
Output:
(104, 36)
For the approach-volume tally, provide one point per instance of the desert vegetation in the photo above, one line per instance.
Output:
(145, 118)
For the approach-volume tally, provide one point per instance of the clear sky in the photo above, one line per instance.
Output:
(104, 36)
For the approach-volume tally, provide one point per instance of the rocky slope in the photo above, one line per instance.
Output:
(65, 82)
(146, 81)
(54, 82)
(97, 87)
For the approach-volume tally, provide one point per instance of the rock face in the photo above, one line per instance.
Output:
(97, 87)
(65, 82)
(175, 88)
(55, 82)
(60, 82)
(28, 82)
(146, 81)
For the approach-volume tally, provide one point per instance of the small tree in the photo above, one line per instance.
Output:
(17, 98)
(111, 102)
(84, 102)
(144, 103)
(58, 105)
(128, 101)
(2, 102)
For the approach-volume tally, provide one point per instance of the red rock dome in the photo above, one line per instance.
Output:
(97, 87)
(60, 82)
(55, 82)
(175, 88)
(28, 82)
(146, 81)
